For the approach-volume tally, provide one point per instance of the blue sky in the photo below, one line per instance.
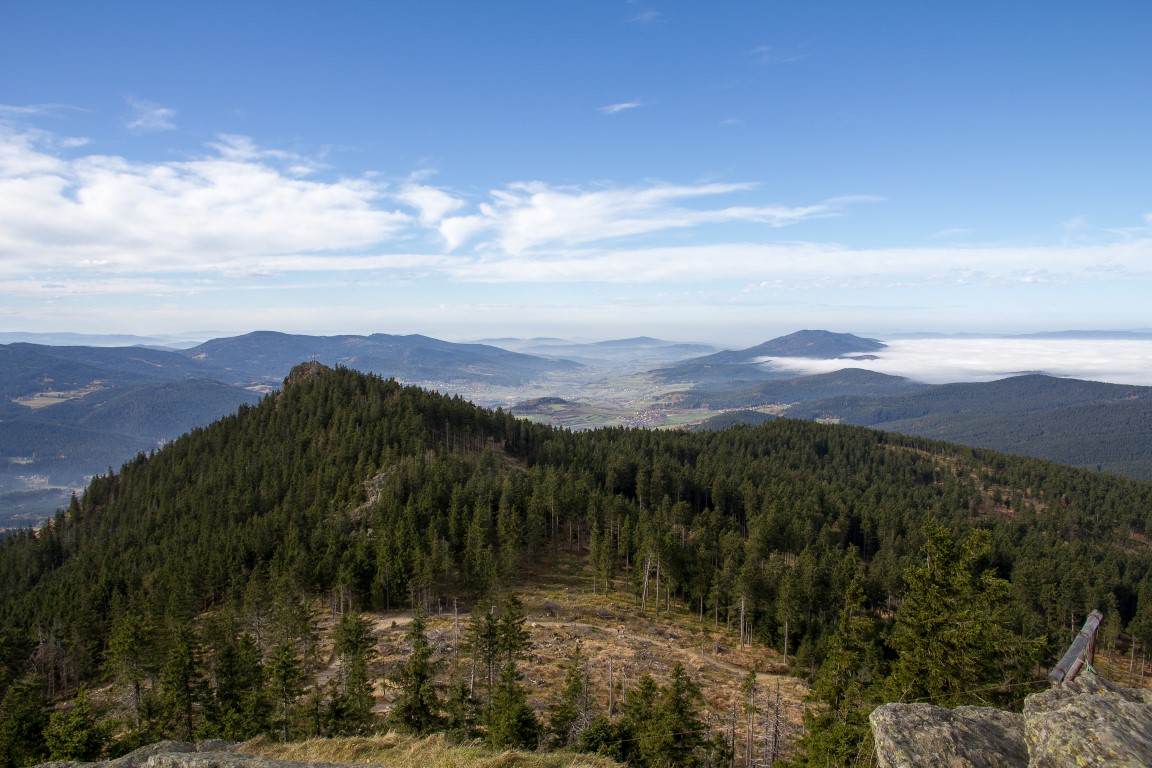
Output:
(722, 172)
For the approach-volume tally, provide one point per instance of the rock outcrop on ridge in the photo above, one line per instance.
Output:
(1088, 722)
(178, 754)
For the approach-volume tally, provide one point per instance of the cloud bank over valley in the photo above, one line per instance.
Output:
(941, 361)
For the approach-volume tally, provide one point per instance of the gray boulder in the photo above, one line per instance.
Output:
(135, 759)
(923, 735)
(213, 753)
(1088, 722)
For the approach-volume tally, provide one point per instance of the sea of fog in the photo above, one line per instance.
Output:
(939, 361)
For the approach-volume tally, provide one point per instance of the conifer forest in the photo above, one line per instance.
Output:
(190, 584)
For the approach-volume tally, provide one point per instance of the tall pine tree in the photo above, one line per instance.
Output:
(417, 710)
(953, 637)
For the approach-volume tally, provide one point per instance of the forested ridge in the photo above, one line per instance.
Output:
(1085, 423)
(376, 496)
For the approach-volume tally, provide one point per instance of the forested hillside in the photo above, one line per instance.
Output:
(69, 412)
(1084, 423)
(850, 385)
(376, 496)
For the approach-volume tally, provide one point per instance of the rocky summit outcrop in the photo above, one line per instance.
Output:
(178, 754)
(925, 735)
(1088, 722)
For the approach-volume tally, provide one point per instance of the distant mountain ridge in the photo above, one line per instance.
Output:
(269, 355)
(127, 363)
(93, 340)
(815, 345)
(637, 353)
(745, 365)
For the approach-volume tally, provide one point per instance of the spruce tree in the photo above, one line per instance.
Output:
(417, 710)
(131, 656)
(351, 698)
(637, 727)
(1140, 627)
(460, 712)
(181, 685)
(481, 639)
(240, 706)
(838, 726)
(285, 682)
(677, 735)
(573, 713)
(612, 738)
(512, 639)
(953, 636)
(75, 733)
(512, 724)
(23, 719)
(850, 664)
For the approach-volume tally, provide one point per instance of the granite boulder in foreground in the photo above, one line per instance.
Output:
(178, 754)
(1088, 722)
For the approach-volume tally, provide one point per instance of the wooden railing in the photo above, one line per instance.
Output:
(1081, 651)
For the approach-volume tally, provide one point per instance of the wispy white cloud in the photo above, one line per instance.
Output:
(1074, 228)
(808, 265)
(243, 149)
(149, 117)
(951, 233)
(623, 106)
(432, 203)
(647, 16)
(768, 54)
(17, 137)
(138, 285)
(25, 111)
(529, 215)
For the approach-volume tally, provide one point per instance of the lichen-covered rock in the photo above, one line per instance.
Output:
(143, 757)
(926, 736)
(134, 759)
(228, 760)
(213, 753)
(1088, 722)
(305, 371)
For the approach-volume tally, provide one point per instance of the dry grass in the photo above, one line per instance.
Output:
(562, 610)
(394, 751)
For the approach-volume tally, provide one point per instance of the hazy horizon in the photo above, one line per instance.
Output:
(932, 360)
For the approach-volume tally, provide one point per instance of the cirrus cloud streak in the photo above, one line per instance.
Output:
(528, 216)
(817, 265)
